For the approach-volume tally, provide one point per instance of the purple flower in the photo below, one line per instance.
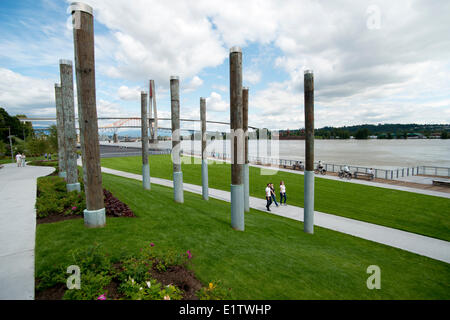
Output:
(101, 297)
(74, 208)
(189, 254)
(152, 244)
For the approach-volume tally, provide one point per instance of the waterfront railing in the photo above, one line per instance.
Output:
(388, 174)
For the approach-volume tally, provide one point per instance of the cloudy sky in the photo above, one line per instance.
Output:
(373, 61)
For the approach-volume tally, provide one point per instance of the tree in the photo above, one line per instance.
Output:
(362, 134)
(444, 135)
(2, 148)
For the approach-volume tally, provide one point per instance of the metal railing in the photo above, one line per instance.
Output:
(388, 174)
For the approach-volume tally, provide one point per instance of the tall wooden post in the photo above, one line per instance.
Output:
(155, 112)
(236, 140)
(70, 133)
(204, 154)
(309, 152)
(144, 139)
(224, 146)
(149, 114)
(60, 131)
(245, 172)
(83, 34)
(176, 160)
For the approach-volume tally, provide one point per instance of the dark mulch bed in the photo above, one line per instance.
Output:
(178, 276)
(53, 293)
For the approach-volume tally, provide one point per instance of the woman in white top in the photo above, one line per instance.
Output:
(268, 197)
(282, 192)
(18, 159)
(23, 159)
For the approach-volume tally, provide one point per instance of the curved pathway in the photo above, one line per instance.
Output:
(408, 241)
(18, 230)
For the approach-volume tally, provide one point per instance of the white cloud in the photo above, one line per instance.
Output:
(18, 93)
(252, 76)
(215, 103)
(126, 93)
(193, 85)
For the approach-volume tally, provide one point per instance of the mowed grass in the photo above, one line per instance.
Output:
(272, 259)
(422, 214)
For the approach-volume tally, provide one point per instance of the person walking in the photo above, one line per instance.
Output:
(282, 192)
(272, 188)
(268, 197)
(18, 159)
(23, 159)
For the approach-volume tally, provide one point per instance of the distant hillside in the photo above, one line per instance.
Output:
(382, 131)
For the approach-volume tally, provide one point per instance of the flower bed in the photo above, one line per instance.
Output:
(151, 275)
(54, 203)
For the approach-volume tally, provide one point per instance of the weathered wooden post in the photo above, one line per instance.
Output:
(144, 139)
(60, 130)
(70, 133)
(236, 140)
(155, 112)
(308, 220)
(204, 154)
(176, 160)
(149, 114)
(83, 34)
(245, 171)
(224, 146)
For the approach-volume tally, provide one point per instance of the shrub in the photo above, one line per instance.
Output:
(214, 291)
(92, 286)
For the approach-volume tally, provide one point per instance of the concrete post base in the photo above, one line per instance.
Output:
(308, 218)
(95, 218)
(205, 179)
(237, 207)
(62, 174)
(246, 180)
(146, 176)
(73, 187)
(178, 187)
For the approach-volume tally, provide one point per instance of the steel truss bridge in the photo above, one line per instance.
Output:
(129, 122)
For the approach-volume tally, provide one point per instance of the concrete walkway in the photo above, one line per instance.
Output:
(18, 230)
(426, 246)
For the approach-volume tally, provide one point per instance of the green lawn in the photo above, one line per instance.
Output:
(272, 259)
(422, 214)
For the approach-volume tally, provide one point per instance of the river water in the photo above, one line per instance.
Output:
(383, 154)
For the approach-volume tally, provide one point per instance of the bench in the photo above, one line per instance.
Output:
(297, 166)
(363, 175)
(445, 183)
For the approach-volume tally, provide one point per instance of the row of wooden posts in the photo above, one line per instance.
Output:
(94, 215)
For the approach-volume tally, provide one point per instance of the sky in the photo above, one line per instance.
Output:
(373, 61)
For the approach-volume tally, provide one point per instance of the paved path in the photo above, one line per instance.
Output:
(426, 246)
(18, 230)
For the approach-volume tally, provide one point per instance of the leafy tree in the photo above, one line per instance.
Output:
(362, 134)
(444, 135)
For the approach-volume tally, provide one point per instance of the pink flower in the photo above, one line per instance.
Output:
(101, 297)
(74, 208)
(152, 244)
(189, 254)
